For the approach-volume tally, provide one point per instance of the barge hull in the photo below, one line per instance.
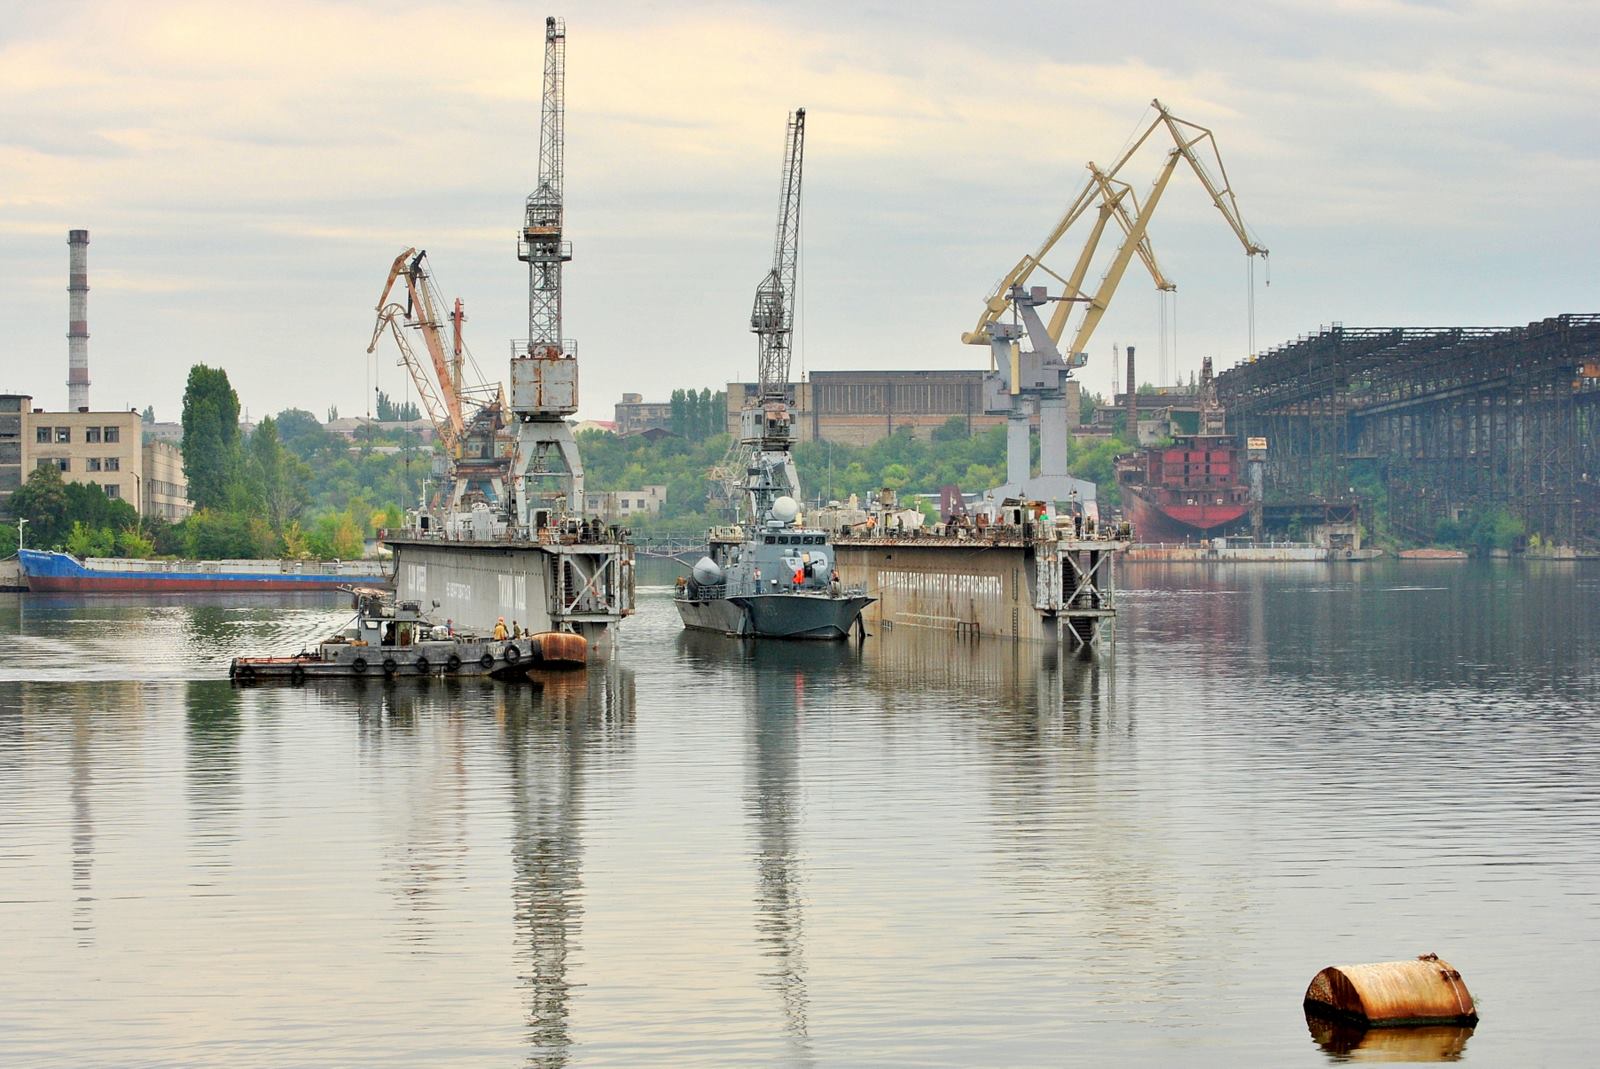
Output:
(51, 572)
(128, 584)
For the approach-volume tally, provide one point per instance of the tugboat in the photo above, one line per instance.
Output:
(391, 639)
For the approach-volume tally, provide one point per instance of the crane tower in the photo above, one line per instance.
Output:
(544, 368)
(766, 431)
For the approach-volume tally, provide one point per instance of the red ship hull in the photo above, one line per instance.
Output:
(1159, 521)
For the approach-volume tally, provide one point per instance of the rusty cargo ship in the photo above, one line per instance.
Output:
(1194, 488)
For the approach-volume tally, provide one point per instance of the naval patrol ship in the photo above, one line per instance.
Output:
(775, 579)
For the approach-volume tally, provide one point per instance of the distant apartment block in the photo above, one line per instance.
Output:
(105, 448)
(166, 487)
(634, 414)
(163, 432)
(13, 461)
(617, 506)
(90, 447)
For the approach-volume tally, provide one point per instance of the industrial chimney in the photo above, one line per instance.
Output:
(1133, 401)
(78, 321)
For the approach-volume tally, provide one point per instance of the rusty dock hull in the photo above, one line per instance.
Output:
(999, 585)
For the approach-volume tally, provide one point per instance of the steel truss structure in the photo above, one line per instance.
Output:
(1455, 420)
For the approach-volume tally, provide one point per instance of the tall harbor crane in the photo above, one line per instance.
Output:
(1021, 383)
(441, 403)
(466, 418)
(761, 459)
(548, 474)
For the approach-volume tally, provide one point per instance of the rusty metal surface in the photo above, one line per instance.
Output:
(1351, 1041)
(1426, 989)
(561, 647)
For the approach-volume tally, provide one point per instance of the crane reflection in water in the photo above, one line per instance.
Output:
(551, 730)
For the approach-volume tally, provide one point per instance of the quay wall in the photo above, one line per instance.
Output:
(962, 586)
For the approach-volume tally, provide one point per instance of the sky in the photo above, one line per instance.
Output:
(247, 173)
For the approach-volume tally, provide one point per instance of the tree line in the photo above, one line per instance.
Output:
(698, 414)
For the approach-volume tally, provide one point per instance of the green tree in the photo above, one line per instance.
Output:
(336, 536)
(708, 416)
(149, 415)
(276, 479)
(42, 501)
(86, 541)
(390, 412)
(296, 545)
(210, 435)
(8, 540)
(223, 535)
(130, 543)
(333, 413)
(678, 405)
(951, 430)
(89, 503)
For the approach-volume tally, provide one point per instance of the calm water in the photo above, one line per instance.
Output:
(708, 854)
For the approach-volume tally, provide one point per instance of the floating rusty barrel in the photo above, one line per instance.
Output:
(1424, 991)
(560, 649)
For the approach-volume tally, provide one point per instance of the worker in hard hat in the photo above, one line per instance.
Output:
(500, 630)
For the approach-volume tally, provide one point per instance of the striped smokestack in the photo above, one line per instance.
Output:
(78, 320)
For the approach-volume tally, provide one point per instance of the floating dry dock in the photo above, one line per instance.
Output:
(1038, 580)
(575, 577)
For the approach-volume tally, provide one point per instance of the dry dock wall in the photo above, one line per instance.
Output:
(475, 587)
(963, 587)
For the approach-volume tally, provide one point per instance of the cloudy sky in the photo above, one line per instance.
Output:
(248, 171)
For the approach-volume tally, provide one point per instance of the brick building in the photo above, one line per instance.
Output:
(634, 414)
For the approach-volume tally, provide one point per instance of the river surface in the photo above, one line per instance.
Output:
(701, 853)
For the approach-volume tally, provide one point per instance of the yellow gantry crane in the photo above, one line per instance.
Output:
(1112, 198)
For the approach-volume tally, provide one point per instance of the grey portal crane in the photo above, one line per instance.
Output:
(548, 475)
(761, 462)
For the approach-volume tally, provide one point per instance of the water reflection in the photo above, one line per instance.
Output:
(1347, 1041)
(212, 731)
(550, 731)
(787, 680)
(85, 724)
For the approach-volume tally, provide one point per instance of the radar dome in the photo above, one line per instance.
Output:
(706, 572)
(785, 508)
